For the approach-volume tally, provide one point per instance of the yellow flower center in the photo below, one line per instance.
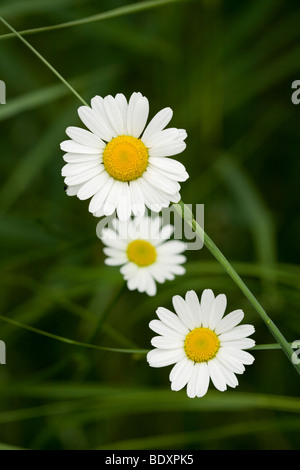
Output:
(125, 158)
(141, 252)
(201, 344)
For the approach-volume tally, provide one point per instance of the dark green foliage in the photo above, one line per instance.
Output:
(226, 69)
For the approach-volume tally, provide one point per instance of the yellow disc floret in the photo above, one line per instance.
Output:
(141, 252)
(125, 158)
(201, 344)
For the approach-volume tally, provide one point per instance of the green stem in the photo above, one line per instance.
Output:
(62, 339)
(43, 60)
(72, 342)
(188, 217)
(116, 12)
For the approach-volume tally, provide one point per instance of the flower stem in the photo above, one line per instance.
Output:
(188, 217)
(67, 84)
(116, 12)
(70, 341)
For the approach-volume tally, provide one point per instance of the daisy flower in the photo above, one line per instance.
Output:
(203, 344)
(119, 162)
(143, 249)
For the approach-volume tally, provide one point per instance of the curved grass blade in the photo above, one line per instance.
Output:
(121, 11)
(70, 341)
(186, 214)
(53, 70)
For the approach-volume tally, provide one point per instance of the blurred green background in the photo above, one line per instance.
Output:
(226, 69)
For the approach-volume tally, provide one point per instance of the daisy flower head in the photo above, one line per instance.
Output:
(143, 249)
(201, 342)
(120, 162)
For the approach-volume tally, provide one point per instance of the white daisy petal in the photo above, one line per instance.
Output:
(228, 359)
(165, 342)
(164, 137)
(157, 124)
(114, 252)
(229, 376)
(109, 236)
(112, 199)
(98, 126)
(99, 197)
(106, 129)
(167, 165)
(183, 312)
(84, 176)
(137, 199)
(129, 269)
(182, 134)
(244, 343)
(74, 147)
(217, 311)
(171, 247)
(159, 273)
(115, 261)
(179, 177)
(216, 375)
(207, 300)
(139, 116)
(175, 198)
(164, 357)
(143, 280)
(173, 259)
(72, 169)
(167, 150)
(116, 244)
(112, 143)
(133, 281)
(114, 114)
(165, 233)
(99, 212)
(205, 354)
(178, 368)
(154, 199)
(175, 269)
(181, 374)
(172, 321)
(182, 177)
(82, 158)
(243, 356)
(123, 107)
(191, 389)
(90, 188)
(73, 190)
(230, 321)
(151, 288)
(133, 100)
(193, 303)
(202, 379)
(161, 182)
(124, 204)
(162, 329)
(239, 332)
(84, 137)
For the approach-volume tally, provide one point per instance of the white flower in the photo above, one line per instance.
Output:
(118, 162)
(143, 249)
(201, 343)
